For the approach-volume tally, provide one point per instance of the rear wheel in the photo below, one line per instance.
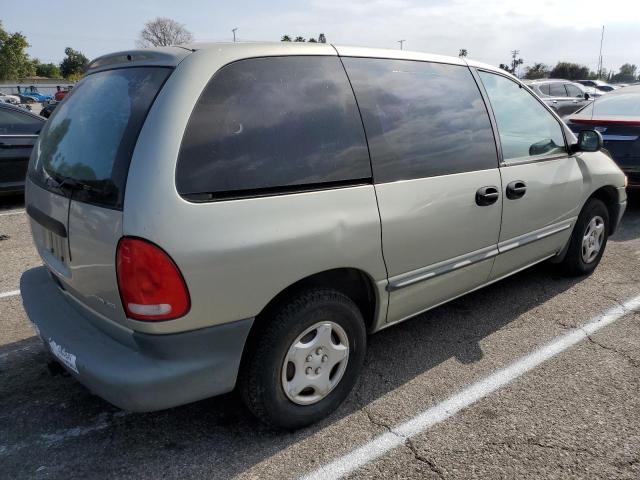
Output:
(304, 359)
(589, 239)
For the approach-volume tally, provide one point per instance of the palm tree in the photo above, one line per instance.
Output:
(285, 38)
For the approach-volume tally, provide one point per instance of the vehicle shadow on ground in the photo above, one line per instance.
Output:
(55, 422)
(631, 219)
(220, 431)
(8, 202)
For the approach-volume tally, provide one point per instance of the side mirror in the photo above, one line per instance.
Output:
(586, 96)
(588, 141)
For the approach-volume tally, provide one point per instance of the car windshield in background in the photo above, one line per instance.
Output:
(626, 104)
(89, 139)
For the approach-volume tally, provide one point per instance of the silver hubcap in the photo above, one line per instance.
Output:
(315, 363)
(592, 239)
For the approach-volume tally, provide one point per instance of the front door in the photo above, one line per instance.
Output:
(541, 183)
(436, 178)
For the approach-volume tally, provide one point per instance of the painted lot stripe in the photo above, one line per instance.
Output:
(11, 293)
(13, 212)
(400, 434)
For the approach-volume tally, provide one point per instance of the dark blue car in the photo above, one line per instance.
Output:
(616, 116)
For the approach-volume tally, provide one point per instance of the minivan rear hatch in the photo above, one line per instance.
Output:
(77, 177)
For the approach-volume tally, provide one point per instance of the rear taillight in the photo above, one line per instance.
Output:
(594, 121)
(151, 286)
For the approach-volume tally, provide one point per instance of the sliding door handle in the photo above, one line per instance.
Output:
(516, 189)
(487, 196)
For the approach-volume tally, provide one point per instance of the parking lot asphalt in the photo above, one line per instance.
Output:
(576, 415)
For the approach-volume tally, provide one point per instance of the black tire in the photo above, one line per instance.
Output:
(260, 381)
(573, 263)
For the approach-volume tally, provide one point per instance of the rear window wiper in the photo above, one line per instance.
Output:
(73, 185)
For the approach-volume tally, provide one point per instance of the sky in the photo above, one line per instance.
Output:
(545, 31)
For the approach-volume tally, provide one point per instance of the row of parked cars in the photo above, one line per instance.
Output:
(31, 95)
(565, 96)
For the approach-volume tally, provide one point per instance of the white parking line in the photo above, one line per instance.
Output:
(12, 212)
(400, 434)
(11, 293)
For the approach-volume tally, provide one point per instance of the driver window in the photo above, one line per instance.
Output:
(573, 91)
(526, 128)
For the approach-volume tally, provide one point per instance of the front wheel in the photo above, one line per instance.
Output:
(303, 359)
(589, 239)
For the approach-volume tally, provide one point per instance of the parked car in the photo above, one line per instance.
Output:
(6, 98)
(26, 99)
(617, 117)
(61, 93)
(218, 216)
(19, 130)
(48, 109)
(36, 95)
(599, 84)
(563, 96)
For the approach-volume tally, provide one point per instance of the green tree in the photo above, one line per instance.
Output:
(463, 53)
(313, 40)
(570, 71)
(74, 64)
(322, 38)
(299, 39)
(14, 60)
(505, 67)
(627, 74)
(49, 70)
(537, 70)
(285, 38)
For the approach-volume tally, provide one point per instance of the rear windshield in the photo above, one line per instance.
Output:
(625, 104)
(89, 139)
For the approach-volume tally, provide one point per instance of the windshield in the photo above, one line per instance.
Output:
(90, 137)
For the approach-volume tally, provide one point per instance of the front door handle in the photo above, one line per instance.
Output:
(516, 189)
(487, 195)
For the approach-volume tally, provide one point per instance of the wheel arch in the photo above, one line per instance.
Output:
(353, 282)
(609, 196)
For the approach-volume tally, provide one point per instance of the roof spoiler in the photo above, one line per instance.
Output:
(160, 57)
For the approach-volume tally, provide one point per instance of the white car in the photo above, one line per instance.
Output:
(592, 91)
(6, 98)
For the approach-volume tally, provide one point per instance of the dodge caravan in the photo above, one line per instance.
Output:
(227, 216)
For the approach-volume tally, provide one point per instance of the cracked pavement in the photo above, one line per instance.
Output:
(574, 416)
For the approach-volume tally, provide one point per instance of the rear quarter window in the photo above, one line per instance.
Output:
(273, 125)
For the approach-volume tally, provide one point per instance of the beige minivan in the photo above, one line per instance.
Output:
(243, 215)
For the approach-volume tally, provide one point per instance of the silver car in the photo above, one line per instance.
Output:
(226, 216)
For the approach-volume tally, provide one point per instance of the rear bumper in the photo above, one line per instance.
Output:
(144, 372)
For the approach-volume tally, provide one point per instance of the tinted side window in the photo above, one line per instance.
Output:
(557, 90)
(526, 127)
(273, 123)
(573, 91)
(544, 88)
(422, 119)
(16, 123)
